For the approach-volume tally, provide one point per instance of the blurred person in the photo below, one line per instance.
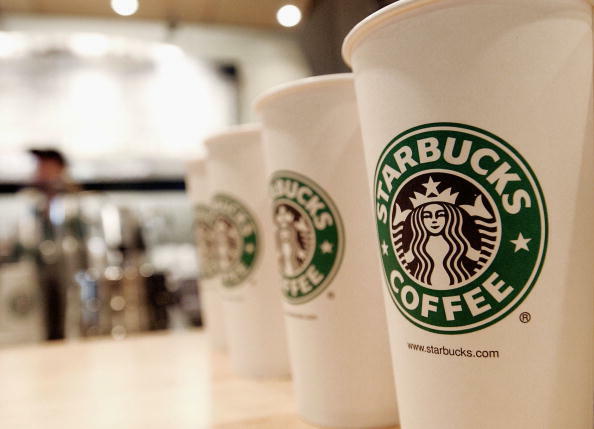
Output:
(51, 172)
(50, 181)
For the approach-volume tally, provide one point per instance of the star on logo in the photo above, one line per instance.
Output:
(431, 187)
(521, 243)
(326, 247)
(249, 248)
(384, 248)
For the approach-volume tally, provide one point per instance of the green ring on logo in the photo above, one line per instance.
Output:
(309, 236)
(462, 226)
(205, 246)
(237, 238)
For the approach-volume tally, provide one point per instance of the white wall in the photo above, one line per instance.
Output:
(264, 57)
(127, 104)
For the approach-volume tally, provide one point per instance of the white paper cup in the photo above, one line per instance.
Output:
(477, 125)
(334, 310)
(210, 300)
(243, 226)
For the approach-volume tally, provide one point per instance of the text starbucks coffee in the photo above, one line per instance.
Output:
(473, 301)
(308, 234)
(240, 218)
(484, 162)
(304, 196)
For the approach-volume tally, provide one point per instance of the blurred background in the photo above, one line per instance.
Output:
(101, 104)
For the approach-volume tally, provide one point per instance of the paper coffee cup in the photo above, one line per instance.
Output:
(209, 281)
(245, 246)
(477, 126)
(333, 303)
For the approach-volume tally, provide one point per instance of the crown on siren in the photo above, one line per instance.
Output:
(284, 216)
(432, 195)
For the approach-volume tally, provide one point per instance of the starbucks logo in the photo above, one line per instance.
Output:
(236, 238)
(443, 238)
(462, 226)
(205, 241)
(309, 236)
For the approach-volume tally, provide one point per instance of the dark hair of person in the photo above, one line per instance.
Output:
(49, 155)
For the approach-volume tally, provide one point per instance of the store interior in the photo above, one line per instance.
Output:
(125, 93)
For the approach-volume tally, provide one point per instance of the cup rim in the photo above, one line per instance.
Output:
(375, 20)
(195, 164)
(298, 85)
(379, 19)
(234, 130)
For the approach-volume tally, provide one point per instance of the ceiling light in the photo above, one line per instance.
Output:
(124, 7)
(289, 15)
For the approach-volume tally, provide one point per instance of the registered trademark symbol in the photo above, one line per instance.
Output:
(525, 317)
(330, 295)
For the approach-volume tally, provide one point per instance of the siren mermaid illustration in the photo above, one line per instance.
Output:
(206, 246)
(432, 240)
(228, 243)
(294, 240)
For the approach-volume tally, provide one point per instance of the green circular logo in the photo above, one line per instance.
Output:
(236, 239)
(205, 241)
(462, 226)
(309, 236)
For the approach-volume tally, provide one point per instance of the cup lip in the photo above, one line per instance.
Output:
(289, 88)
(375, 20)
(197, 165)
(379, 19)
(234, 130)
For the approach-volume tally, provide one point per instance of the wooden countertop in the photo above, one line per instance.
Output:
(156, 381)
